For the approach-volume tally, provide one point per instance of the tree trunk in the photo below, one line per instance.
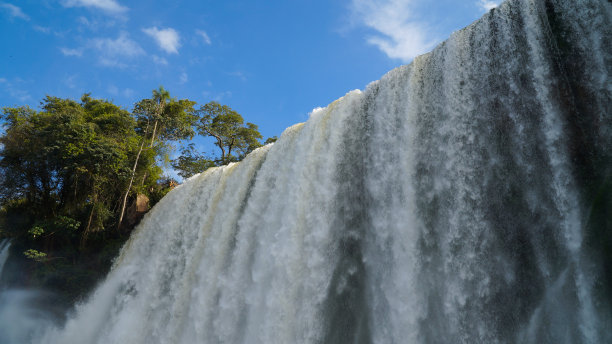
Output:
(153, 136)
(220, 145)
(127, 192)
(86, 231)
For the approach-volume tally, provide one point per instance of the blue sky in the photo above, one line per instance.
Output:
(272, 61)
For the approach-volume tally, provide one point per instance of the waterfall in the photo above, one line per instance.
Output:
(24, 314)
(448, 202)
(5, 245)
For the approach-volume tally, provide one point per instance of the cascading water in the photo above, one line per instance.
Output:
(24, 314)
(447, 203)
(5, 245)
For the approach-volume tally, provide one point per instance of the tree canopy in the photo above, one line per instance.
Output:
(70, 170)
(227, 127)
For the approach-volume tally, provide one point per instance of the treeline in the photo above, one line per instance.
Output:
(76, 176)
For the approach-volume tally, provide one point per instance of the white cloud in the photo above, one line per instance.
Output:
(183, 78)
(238, 74)
(488, 5)
(217, 96)
(128, 93)
(223, 95)
(70, 81)
(204, 36)
(72, 52)
(122, 46)
(42, 29)
(109, 6)
(84, 21)
(114, 51)
(96, 24)
(113, 90)
(160, 60)
(14, 89)
(14, 11)
(400, 34)
(167, 39)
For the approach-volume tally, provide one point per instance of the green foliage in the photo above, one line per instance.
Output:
(271, 140)
(35, 255)
(227, 127)
(66, 223)
(68, 171)
(190, 162)
(36, 231)
(164, 118)
(63, 170)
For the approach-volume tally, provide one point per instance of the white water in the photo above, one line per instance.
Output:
(439, 205)
(24, 314)
(5, 245)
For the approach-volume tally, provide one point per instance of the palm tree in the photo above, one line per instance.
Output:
(161, 97)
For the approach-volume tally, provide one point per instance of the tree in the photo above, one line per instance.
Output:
(271, 140)
(160, 118)
(67, 161)
(63, 173)
(190, 162)
(227, 127)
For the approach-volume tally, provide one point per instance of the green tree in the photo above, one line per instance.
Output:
(160, 119)
(271, 140)
(190, 162)
(227, 127)
(68, 157)
(63, 174)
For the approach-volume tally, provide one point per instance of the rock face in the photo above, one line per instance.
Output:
(464, 198)
(137, 210)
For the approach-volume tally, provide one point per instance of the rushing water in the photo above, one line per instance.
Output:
(446, 203)
(5, 245)
(24, 314)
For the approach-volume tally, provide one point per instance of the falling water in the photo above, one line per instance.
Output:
(24, 314)
(5, 245)
(449, 202)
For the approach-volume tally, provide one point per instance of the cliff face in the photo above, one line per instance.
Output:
(137, 210)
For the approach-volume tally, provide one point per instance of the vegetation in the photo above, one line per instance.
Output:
(70, 172)
(190, 162)
(229, 131)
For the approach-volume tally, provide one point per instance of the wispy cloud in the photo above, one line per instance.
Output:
(128, 93)
(167, 39)
(204, 36)
(42, 29)
(217, 96)
(113, 52)
(223, 95)
(71, 81)
(96, 24)
(159, 60)
(113, 90)
(14, 11)
(14, 89)
(72, 52)
(238, 74)
(488, 5)
(84, 21)
(183, 78)
(400, 34)
(109, 6)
